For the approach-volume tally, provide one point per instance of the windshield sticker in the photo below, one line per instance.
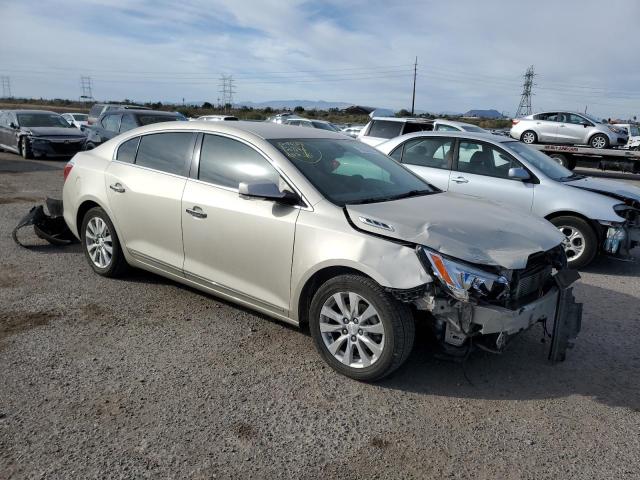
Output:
(301, 152)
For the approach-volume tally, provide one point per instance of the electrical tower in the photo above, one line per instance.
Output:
(227, 90)
(6, 87)
(524, 108)
(85, 83)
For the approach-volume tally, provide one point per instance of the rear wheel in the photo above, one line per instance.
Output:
(599, 140)
(581, 241)
(529, 137)
(101, 245)
(25, 148)
(561, 159)
(359, 329)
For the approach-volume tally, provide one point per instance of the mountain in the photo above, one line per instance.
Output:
(483, 114)
(291, 104)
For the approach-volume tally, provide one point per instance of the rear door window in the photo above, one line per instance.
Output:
(384, 129)
(167, 152)
(227, 162)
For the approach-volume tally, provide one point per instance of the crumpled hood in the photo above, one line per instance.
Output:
(607, 187)
(54, 132)
(461, 226)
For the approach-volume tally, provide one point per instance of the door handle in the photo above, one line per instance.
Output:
(116, 187)
(196, 212)
(460, 180)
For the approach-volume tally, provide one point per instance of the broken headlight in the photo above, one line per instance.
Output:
(463, 280)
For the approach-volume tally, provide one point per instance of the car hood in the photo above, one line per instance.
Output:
(53, 132)
(461, 226)
(610, 188)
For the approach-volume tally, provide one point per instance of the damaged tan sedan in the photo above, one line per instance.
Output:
(311, 227)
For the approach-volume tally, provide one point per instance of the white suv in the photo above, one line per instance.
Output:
(381, 129)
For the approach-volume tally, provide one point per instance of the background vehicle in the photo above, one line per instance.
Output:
(218, 118)
(451, 126)
(381, 129)
(100, 108)
(281, 117)
(315, 231)
(589, 211)
(305, 122)
(116, 122)
(633, 130)
(352, 130)
(567, 128)
(78, 120)
(626, 160)
(39, 133)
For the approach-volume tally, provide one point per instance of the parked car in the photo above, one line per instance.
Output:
(381, 129)
(281, 117)
(100, 108)
(39, 133)
(444, 125)
(115, 122)
(321, 230)
(78, 120)
(306, 122)
(595, 215)
(567, 127)
(352, 130)
(633, 131)
(218, 118)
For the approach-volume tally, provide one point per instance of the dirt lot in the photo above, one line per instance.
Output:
(144, 378)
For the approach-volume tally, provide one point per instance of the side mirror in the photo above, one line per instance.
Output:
(267, 191)
(519, 174)
(585, 124)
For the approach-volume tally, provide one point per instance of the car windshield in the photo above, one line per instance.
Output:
(349, 172)
(80, 117)
(325, 126)
(542, 162)
(634, 131)
(149, 119)
(593, 119)
(42, 120)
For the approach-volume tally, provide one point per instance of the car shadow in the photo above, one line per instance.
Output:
(26, 166)
(608, 265)
(604, 365)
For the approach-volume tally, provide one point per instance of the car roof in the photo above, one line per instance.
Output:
(147, 112)
(470, 135)
(307, 120)
(31, 111)
(264, 130)
(404, 119)
(455, 123)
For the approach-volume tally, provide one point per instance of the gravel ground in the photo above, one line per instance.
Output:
(144, 378)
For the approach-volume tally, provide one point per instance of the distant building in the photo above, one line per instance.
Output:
(493, 114)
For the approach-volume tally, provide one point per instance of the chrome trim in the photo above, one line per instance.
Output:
(375, 223)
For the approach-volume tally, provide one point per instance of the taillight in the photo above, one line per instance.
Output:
(67, 170)
(515, 122)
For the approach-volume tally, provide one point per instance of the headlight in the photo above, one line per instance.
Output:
(461, 279)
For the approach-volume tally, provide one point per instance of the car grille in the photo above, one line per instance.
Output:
(530, 283)
(66, 146)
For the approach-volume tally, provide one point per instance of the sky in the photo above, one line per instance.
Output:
(471, 54)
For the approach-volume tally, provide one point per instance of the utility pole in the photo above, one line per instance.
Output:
(6, 87)
(85, 84)
(524, 108)
(413, 98)
(227, 90)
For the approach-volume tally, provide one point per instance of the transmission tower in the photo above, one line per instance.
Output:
(6, 87)
(524, 108)
(227, 90)
(85, 83)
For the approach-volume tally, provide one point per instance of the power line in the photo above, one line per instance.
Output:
(6, 87)
(524, 108)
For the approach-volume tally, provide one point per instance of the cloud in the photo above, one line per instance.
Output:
(471, 54)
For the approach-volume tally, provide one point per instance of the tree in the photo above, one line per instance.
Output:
(207, 105)
(403, 113)
(298, 109)
(268, 110)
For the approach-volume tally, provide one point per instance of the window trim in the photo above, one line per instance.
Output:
(534, 179)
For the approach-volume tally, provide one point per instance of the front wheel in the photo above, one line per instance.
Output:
(101, 245)
(25, 148)
(359, 329)
(599, 141)
(529, 137)
(581, 241)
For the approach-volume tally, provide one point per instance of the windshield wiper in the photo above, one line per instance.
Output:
(573, 176)
(410, 193)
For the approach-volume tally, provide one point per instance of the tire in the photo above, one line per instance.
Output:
(599, 141)
(94, 235)
(561, 159)
(529, 137)
(25, 148)
(583, 247)
(391, 325)
(88, 146)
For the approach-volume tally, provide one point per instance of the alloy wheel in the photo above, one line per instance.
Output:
(352, 330)
(528, 137)
(599, 142)
(98, 242)
(573, 243)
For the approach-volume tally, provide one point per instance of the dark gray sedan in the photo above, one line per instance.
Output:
(39, 133)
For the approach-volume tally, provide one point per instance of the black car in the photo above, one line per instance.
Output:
(39, 133)
(113, 123)
(100, 108)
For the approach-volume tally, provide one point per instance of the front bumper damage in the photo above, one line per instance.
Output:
(460, 325)
(621, 239)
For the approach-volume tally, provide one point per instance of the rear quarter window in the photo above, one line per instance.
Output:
(127, 151)
(167, 152)
(96, 110)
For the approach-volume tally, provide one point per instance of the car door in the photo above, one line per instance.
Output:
(546, 126)
(429, 157)
(237, 246)
(144, 185)
(573, 129)
(482, 170)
